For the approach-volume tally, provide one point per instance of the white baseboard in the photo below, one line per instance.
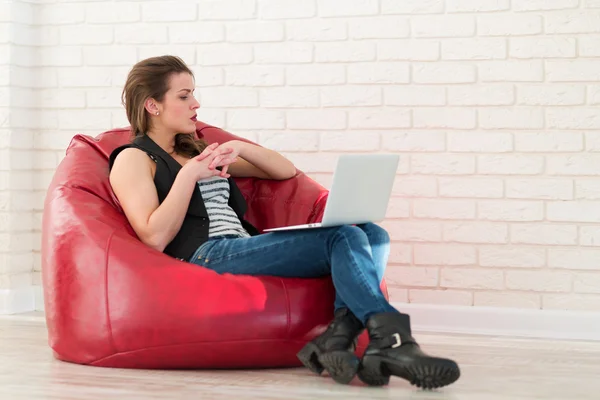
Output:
(546, 324)
(14, 301)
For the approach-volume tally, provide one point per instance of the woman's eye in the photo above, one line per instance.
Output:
(183, 97)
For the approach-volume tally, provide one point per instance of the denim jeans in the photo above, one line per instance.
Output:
(354, 256)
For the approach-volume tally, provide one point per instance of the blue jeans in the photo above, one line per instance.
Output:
(354, 256)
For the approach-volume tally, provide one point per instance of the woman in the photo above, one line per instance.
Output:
(156, 178)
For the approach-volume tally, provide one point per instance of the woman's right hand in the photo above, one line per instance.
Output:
(204, 165)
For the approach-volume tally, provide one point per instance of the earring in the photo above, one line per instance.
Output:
(157, 113)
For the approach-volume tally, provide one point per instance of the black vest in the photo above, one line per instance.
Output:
(194, 229)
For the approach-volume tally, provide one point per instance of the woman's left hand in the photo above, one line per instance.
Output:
(235, 147)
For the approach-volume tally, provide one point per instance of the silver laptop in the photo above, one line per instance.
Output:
(360, 192)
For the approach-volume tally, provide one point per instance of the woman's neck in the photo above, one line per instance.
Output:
(165, 141)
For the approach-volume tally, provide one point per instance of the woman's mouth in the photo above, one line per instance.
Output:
(194, 118)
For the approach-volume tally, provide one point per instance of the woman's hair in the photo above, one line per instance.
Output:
(149, 78)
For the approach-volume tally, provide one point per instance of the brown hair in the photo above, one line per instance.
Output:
(149, 78)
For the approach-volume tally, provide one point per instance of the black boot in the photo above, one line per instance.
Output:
(333, 350)
(393, 351)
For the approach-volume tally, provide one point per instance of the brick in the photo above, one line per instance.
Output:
(551, 95)
(580, 211)
(379, 28)
(411, 7)
(443, 27)
(63, 98)
(442, 164)
(581, 70)
(588, 46)
(503, 210)
(290, 141)
(413, 276)
(543, 47)
(226, 10)
(569, 118)
(475, 232)
(441, 296)
(166, 12)
(594, 94)
(289, 97)
(510, 164)
(580, 259)
(379, 73)
(351, 96)
(589, 236)
(512, 256)
(571, 302)
(415, 186)
(587, 189)
(60, 14)
(508, 300)
(581, 21)
(351, 8)
(209, 76)
(413, 231)
(253, 32)
(316, 119)
(472, 278)
(86, 34)
(421, 141)
(511, 118)
(59, 57)
(397, 295)
(141, 34)
(313, 162)
(474, 49)
(471, 188)
(476, 142)
(541, 5)
(443, 73)
(224, 54)
(539, 281)
(512, 71)
(300, 75)
(321, 30)
(398, 208)
(31, 35)
(592, 3)
(485, 95)
(188, 33)
(458, 6)
(539, 188)
(109, 55)
(283, 53)
(435, 118)
(15, 281)
(408, 50)
(545, 142)
(229, 97)
(444, 209)
(349, 141)
(286, 9)
(112, 13)
(255, 119)
(378, 118)
(400, 253)
(444, 254)
(83, 119)
(16, 263)
(581, 164)
(414, 95)
(509, 25)
(548, 234)
(87, 77)
(345, 52)
(210, 116)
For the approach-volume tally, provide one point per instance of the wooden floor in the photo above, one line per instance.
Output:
(492, 369)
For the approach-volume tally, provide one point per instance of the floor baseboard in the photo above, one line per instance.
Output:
(513, 322)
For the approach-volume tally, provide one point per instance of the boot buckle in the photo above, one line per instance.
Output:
(398, 342)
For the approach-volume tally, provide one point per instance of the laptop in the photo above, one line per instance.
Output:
(360, 192)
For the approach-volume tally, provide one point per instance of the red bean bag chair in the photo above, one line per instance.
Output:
(111, 301)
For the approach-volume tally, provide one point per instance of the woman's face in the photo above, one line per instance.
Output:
(177, 111)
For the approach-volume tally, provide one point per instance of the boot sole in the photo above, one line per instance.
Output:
(342, 366)
(426, 374)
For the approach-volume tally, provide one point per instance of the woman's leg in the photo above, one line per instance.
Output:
(343, 252)
(379, 242)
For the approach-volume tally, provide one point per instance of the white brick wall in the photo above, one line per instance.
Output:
(492, 105)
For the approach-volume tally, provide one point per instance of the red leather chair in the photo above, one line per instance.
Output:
(112, 301)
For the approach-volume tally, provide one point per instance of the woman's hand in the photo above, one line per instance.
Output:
(205, 164)
(231, 151)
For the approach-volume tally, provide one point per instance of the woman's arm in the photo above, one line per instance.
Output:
(259, 162)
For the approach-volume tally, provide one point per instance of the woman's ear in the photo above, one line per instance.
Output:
(151, 106)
